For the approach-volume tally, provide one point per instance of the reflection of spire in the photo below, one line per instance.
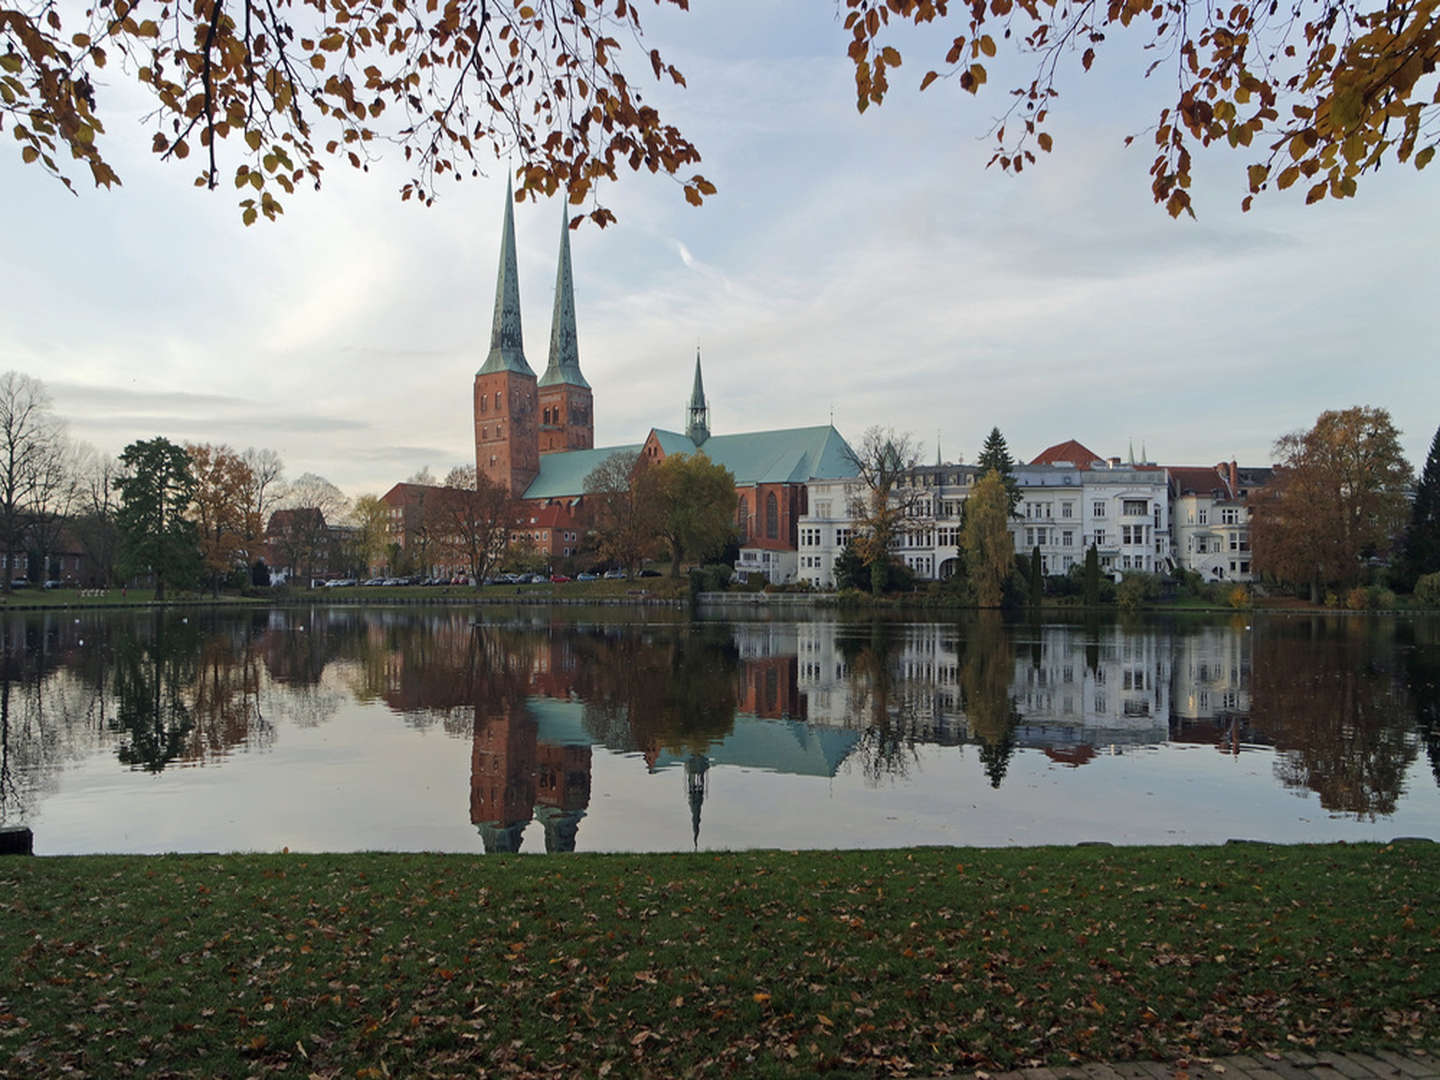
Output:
(697, 771)
(502, 838)
(561, 827)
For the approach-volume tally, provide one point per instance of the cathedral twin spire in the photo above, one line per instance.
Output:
(507, 350)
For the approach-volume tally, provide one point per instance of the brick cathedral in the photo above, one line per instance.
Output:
(535, 437)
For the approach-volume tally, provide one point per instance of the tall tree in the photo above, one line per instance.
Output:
(995, 454)
(223, 483)
(475, 518)
(307, 539)
(156, 490)
(1338, 497)
(276, 91)
(1422, 537)
(696, 505)
(989, 551)
(371, 518)
(32, 443)
(94, 523)
(1092, 576)
(267, 486)
(883, 505)
(621, 496)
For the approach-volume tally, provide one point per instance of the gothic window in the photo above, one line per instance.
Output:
(497, 400)
(772, 516)
(744, 519)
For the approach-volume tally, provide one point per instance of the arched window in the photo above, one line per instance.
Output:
(772, 516)
(744, 519)
(497, 400)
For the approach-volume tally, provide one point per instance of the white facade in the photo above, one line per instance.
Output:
(1212, 520)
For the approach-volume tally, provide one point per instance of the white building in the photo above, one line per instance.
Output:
(1212, 519)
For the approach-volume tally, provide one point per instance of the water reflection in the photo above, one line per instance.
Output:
(1343, 707)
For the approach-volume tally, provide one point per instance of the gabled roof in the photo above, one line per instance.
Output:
(1068, 452)
(564, 473)
(787, 456)
(1199, 480)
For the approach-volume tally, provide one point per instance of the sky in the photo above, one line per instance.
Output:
(865, 267)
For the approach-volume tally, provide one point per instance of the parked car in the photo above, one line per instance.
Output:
(559, 579)
(614, 575)
(585, 575)
(648, 573)
(375, 581)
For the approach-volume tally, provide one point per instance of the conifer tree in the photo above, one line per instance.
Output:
(1037, 582)
(996, 455)
(1092, 576)
(1422, 537)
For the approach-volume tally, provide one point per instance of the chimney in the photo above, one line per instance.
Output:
(1114, 463)
(1234, 480)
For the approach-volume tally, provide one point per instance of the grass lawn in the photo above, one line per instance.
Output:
(767, 963)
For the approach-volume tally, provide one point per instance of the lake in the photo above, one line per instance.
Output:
(550, 730)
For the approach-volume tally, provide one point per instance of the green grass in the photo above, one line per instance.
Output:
(767, 963)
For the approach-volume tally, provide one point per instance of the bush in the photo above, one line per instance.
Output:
(1427, 590)
(1358, 598)
(1238, 597)
(713, 577)
(1136, 589)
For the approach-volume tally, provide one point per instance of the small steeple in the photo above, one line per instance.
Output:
(697, 769)
(697, 422)
(564, 363)
(507, 348)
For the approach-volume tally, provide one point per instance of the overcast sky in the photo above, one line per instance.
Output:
(866, 266)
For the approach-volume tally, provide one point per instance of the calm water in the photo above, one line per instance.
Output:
(342, 729)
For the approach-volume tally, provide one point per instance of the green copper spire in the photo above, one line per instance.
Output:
(564, 365)
(697, 424)
(507, 350)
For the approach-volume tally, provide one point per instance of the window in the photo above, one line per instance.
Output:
(1029, 538)
(822, 509)
(1203, 515)
(1099, 537)
(1098, 509)
(497, 400)
(1067, 510)
(1229, 516)
(1067, 538)
(1200, 545)
(842, 537)
(772, 516)
(744, 519)
(1135, 508)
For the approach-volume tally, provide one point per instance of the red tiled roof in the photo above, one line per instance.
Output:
(1198, 480)
(1068, 452)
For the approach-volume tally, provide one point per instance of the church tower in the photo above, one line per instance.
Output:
(697, 413)
(506, 407)
(567, 419)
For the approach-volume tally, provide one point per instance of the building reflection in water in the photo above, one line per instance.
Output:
(1345, 705)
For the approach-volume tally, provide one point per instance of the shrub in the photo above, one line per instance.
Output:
(1358, 598)
(1238, 597)
(1427, 590)
(1136, 589)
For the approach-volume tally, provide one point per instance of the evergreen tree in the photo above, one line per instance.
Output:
(996, 455)
(155, 492)
(1092, 576)
(1037, 582)
(1422, 538)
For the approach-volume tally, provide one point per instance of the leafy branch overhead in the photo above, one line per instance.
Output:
(282, 87)
(1317, 91)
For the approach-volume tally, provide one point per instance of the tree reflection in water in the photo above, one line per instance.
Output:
(1331, 697)
(880, 709)
(987, 680)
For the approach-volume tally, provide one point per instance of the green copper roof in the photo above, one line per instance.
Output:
(564, 365)
(788, 456)
(507, 350)
(564, 474)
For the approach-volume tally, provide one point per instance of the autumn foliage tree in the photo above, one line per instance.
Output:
(696, 511)
(882, 504)
(473, 519)
(1338, 497)
(267, 94)
(1314, 92)
(621, 496)
(989, 551)
(218, 508)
